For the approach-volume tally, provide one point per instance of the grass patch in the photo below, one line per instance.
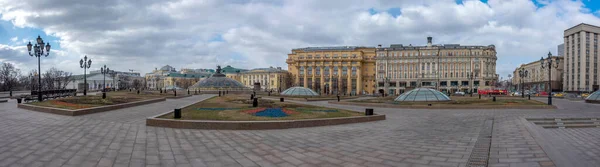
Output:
(239, 108)
(459, 101)
(112, 98)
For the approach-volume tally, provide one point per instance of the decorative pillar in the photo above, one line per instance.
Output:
(322, 86)
(349, 79)
(330, 79)
(305, 77)
(298, 76)
(358, 80)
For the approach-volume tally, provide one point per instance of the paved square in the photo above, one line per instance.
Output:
(406, 138)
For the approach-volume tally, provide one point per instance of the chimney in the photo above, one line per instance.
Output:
(429, 39)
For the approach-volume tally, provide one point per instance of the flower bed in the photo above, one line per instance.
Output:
(216, 109)
(271, 112)
(69, 105)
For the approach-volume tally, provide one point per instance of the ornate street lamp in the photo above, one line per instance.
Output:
(523, 73)
(548, 63)
(104, 70)
(38, 51)
(471, 76)
(85, 63)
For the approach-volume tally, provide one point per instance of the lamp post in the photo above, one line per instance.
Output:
(523, 73)
(104, 70)
(548, 63)
(38, 51)
(85, 63)
(471, 76)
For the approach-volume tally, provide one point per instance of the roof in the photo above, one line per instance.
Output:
(331, 48)
(229, 69)
(581, 24)
(179, 75)
(439, 46)
(257, 70)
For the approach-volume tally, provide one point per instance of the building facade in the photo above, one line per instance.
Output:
(168, 77)
(446, 67)
(268, 79)
(537, 77)
(334, 70)
(581, 58)
(561, 50)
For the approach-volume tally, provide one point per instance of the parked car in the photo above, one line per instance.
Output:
(459, 93)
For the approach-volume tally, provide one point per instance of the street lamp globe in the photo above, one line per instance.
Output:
(29, 46)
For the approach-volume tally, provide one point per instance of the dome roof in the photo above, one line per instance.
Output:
(218, 80)
(594, 96)
(299, 91)
(422, 94)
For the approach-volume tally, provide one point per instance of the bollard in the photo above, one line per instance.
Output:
(10, 93)
(19, 100)
(130, 89)
(160, 91)
(479, 96)
(528, 97)
(103, 95)
(369, 111)
(255, 102)
(75, 94)
(188, 91)
(219, 93)
(494, 98)
(174, 92)
(138, 92)
(281, 99)
(177, 113)
(338, 97)
(269, 94)
(251, 96)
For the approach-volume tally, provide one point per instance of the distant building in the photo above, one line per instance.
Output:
(275, 79)
(168, 77)
(561, 50)
(581, 58)
(444, 67)
(95, 80)
(537, 78)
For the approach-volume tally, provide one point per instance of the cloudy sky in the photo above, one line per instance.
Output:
(142, 35)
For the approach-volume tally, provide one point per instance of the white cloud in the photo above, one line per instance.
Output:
(125, 34)
(14, 39)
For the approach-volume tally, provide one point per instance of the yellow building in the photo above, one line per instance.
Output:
(269, 79)
(447, 67)
(333, 70)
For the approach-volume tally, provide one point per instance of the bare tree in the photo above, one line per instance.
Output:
(184, 83)
(137, 84)
(9, 76)
(124, 82)
(54, 78)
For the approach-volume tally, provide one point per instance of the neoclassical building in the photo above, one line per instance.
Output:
(269, 79)
(333, 70)
(167, 77)
(537, 78)
(446, 67)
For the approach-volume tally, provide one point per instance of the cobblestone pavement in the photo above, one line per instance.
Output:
(406, 138)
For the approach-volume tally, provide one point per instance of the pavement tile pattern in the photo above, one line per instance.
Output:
(408, 137)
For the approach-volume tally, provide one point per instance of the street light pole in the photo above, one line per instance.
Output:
(523, 73)
(85, 64)
(548, 64)
(104, 70)
(38, 51)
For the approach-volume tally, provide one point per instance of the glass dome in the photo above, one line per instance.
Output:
(594, 96)
(422, 94)
(218, 82)
(299, 91)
